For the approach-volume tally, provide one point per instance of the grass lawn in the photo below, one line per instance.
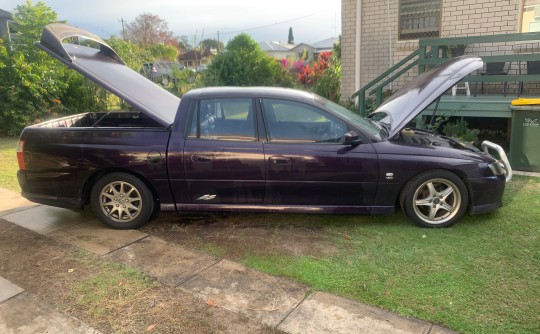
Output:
(480, 276)
(8, 164)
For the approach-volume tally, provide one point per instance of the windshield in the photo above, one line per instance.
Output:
(365, 124)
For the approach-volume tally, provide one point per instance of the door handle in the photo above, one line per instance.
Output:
(280, 160)
(201, 158)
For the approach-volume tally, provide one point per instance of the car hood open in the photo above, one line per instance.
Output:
(411, 100)
(106, 68)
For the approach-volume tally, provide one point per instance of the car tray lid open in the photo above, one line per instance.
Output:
(103, 66)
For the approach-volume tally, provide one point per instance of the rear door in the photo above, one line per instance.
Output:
(223, 158)
(307, 164)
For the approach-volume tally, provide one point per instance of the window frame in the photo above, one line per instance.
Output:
(194, 115)
(328, 115)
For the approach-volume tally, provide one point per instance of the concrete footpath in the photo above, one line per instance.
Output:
(278, 302)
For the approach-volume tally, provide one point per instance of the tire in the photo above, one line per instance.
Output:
(435, 199)
(122, 201)
(165, 80)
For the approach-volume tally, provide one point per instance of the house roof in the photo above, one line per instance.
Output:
(5, 14)
(195, 55)
(324, 45)
(275, 46)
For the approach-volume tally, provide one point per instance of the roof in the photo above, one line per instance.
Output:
(324, 45)
(5, 14)
(195, 55)
(251, 91)
(275, 46)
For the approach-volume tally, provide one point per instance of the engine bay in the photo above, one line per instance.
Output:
(424, 138)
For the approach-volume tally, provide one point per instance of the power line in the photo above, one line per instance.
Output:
(271, 25)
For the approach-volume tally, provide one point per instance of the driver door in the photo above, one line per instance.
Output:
(307, 164)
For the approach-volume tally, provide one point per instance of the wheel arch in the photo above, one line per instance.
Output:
(462, 176)
(92, 179)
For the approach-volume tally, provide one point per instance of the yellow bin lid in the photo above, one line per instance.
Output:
(525, 102)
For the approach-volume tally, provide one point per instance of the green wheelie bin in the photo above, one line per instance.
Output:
(525, 135)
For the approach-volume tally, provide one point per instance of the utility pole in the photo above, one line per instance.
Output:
(218, 45)
(123, 28)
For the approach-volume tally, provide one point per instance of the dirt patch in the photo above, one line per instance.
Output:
(64, 276)
(235, 235)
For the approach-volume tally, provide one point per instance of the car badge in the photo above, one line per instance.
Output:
(206, 197)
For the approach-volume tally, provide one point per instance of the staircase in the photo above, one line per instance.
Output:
(517, 51)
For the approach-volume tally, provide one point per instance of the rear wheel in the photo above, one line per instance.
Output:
(122, 201)
(435, 199)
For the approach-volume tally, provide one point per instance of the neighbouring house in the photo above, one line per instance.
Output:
(308, 51)
(379, 33)
(6, 25)
(311, 50)
(195, 58)
(277, 50)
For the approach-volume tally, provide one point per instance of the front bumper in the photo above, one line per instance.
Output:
(486, 193)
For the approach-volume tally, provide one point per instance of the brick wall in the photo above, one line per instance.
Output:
(479, 17)
(380, 34)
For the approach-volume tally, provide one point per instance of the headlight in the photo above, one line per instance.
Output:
(497, 168)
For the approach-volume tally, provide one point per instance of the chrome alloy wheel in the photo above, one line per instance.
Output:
(120, 201)
(437, 201)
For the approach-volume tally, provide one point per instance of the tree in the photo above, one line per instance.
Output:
(183, 43)
(328, 84)
(32, 83)
(148, 29)
(290, 40)
(211, 43)
(244, 64)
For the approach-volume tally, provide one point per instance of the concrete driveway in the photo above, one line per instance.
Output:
(275, 301)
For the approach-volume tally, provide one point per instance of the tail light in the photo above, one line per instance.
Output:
(20, 155)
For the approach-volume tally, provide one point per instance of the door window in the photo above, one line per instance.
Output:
(289, 121)
(225, 119)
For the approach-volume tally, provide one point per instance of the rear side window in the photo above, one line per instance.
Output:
(223, 119)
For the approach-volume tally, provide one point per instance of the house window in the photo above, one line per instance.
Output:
(419, 19)
(530, 20)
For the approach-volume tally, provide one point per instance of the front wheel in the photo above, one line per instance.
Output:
(165, 80)
(435, 199)
(122, 201)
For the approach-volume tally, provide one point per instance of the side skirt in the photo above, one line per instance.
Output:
(359, 210)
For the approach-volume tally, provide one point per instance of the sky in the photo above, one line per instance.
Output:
(262, 20)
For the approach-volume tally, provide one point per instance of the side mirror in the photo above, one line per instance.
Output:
(351, 138)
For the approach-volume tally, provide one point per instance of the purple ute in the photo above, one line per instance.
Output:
(250, 149)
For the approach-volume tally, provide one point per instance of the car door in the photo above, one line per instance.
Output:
(306, 162)
(223, 158)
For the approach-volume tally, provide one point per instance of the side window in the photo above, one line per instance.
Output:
(225, 119)
(289, 121)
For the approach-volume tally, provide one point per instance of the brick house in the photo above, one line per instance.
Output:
(379, 33)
